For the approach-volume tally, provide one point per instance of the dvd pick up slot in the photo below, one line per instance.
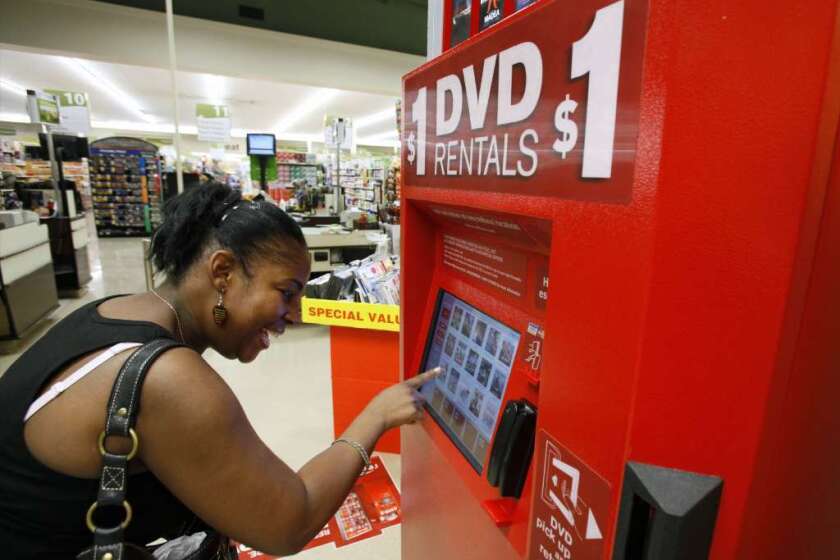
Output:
(500, 510)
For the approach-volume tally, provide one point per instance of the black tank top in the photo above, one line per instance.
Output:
(42, 512)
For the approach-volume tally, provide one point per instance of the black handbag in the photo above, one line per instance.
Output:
(123, 407)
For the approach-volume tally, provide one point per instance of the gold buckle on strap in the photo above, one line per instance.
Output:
(89, 518)
(135, 444)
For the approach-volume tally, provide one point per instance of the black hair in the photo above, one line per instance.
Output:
(214, 214)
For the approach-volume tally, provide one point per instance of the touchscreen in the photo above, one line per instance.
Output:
(476, 353)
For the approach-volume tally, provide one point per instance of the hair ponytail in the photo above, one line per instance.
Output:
(215, 213)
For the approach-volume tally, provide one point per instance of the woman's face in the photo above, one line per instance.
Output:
(260, 305)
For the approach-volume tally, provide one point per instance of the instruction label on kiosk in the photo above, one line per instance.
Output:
(374, 316)
(570, 507)
(502, 269)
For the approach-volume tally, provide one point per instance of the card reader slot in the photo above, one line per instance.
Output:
(513, 448)
(518, 458)
(502, 442)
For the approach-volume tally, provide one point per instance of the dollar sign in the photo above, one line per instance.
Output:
(565, 126)
(412, 148)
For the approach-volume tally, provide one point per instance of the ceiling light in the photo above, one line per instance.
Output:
(85, 69)
(381, 135)
(214, 88)
(12, 87)
(134, 126)
(165, 128)
(312, 103)
(367, 120)
(300, 137)
(387, 138)
(383, 143)
(14, 117)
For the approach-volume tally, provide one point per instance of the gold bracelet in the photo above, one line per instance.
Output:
(358, 447)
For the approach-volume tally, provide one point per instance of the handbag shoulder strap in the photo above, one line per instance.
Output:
(123, 408)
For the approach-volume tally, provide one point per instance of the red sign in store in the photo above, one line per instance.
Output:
(550, 105)
(571, 504)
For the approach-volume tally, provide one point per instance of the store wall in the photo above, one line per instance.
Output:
(194, 148)
(28, 134)
(133, 36)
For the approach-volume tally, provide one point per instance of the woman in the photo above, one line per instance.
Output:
(235, 271)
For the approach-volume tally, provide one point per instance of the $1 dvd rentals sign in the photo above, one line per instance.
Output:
(547, 103)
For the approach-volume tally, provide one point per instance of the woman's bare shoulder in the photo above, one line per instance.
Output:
(182, 389)
(133, 307)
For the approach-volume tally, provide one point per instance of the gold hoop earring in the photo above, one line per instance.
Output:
(220, 311)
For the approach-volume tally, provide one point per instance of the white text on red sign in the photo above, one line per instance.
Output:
(596, 55)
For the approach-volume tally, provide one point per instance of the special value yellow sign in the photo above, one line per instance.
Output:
(374, 316)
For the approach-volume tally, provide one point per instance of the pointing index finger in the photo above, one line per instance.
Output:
(418, 380)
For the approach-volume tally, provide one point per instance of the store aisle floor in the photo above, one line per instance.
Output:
(286, 392)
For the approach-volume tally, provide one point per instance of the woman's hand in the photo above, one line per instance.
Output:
(402, 403)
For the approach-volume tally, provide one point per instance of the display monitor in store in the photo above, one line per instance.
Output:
(67, 147)
(476, 353)
(261, 145)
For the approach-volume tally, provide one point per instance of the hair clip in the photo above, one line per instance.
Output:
(226, 214)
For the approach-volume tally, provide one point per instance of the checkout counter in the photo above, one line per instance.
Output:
(68, 243)
(332, 247)
(27, 282)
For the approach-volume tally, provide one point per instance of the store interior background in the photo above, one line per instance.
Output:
(271, 81)
(282, 74)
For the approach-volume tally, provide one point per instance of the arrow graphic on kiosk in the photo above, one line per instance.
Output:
(593, 532)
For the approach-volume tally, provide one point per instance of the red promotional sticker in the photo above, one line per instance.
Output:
(570, 507)
(372, 505)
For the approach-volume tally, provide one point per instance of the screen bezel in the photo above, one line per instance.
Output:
(253, 134)
(478, 466)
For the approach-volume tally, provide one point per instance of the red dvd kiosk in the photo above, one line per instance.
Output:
(621, 240)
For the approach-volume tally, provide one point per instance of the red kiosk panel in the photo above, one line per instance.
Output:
(645, 191)
(515, 115)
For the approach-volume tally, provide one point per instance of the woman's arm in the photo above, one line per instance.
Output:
(393, 407)
(197, 440)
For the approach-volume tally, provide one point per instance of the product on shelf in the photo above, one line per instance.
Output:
(363, 183)
(370, 280)
(297, 166)
(11, 151)
(389, 212)
(126, 186)
(38, 170)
